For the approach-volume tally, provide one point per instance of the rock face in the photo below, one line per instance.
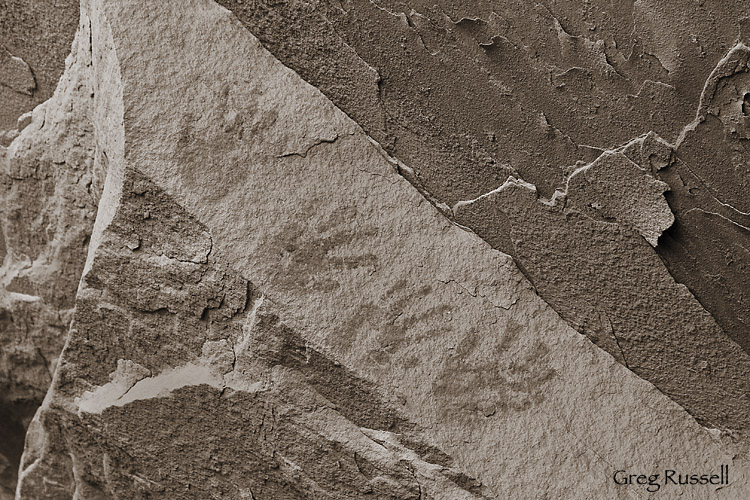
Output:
(35, 38)
(381, 249)
(51, 183)
(467, 95)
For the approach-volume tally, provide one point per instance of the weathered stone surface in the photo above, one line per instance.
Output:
(466, 94)
(269, 309)
(614, 188)
(16, 74)
(651, 324)
(348, 250)
(50, 189)
(35, 38)
(707, 249)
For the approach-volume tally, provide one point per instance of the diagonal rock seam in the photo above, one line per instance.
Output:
(98, 249)
(560, 196)
(735, 330)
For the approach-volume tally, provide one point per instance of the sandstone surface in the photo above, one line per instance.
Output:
(379, 249)
(35, 38)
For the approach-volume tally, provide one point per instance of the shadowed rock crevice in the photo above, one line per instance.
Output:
(14, 419)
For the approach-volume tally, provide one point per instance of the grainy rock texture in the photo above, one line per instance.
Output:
(35, 38)
(469, 93)
(381, 249)
(50, 185)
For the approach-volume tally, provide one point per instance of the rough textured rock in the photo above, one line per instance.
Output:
(466, 94)
(383, 249)
(35, 38)
(50, 191)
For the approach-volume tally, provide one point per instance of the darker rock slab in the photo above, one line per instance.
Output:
(641, 316)
(35, 38)
(708, 249)
(466, 94)
(707, 246)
